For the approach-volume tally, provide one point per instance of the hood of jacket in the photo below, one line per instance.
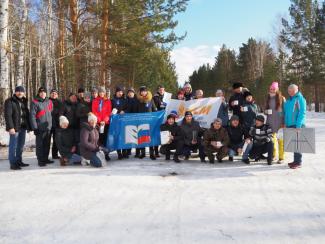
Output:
(145, 99)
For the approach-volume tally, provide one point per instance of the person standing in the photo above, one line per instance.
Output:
(188, 92)
(145, 105)
(274, 111)
(223, 110)
(199, 94)
(56, 113)
(70, 111)
(41, 123)
(216, 140)
(16, 115)
(295, 117)
(119, 104)
(248, 111)
(83, 108)
(102, 109)
(237, 100)
(81, 94)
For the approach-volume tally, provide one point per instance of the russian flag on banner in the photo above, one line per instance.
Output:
(136, 130)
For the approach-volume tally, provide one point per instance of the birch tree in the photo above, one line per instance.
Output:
(22, 40)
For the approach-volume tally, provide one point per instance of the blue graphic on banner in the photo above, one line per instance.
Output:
(134, 130)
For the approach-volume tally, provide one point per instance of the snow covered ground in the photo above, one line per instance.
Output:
(158, 202)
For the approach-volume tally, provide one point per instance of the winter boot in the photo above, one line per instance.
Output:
(231, 159)
(107, 158)
(62, 162)
(152, 157)
(167, 156)
(211, 159)
(119, 156)
(246, 161)
(41, 164)
(22, 164)
(15, 167)
(176, 159)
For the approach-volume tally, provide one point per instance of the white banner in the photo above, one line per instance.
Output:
(204, 110)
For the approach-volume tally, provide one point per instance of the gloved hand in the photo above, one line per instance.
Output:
(267, 140)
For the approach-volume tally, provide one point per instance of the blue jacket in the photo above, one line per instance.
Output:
(295, 111)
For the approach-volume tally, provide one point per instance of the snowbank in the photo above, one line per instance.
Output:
(4, 138)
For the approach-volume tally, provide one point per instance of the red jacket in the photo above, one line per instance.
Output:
(103, 113)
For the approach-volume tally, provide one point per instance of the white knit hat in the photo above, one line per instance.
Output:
(92, 117)
(63, 120)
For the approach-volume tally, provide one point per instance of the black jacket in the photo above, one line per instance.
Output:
(132, 105)
(70, 111)
(188, 129)
(83, 108)
(174, 130)
(158, 99)
(236, 135)
(261, 135)
(146, 104)
(236, 109)
(56, 112)
(119, 103)
(16, 113)
(65, 140)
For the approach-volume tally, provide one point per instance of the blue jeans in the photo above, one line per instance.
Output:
(95, 161)
(75, 158)
(233, 149)
(297, 157)
(16, 146)
(248, 150)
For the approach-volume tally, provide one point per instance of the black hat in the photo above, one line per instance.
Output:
(161, 86)
(143, 88)
(54, 90)
(260, 118)
(71, 94)
(81, 90)
(247, 93)
(237, 85)
(172, 115)
(118, 89)
(41, 89)
(234, 117)
(19, 89)
(188, 113)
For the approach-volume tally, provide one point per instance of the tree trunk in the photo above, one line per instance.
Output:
(62, 49)
(49, 52)
(4, 54)
(104, 45)
(317, 103)
(21, 51)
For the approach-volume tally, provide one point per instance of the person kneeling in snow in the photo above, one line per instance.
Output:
(216, 140)
(89, 137)
(261, 136)
(66, 142)
(176, 138)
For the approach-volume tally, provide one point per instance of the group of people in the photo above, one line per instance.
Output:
(78, 126)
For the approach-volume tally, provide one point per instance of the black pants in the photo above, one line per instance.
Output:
(103, 136)
(156, 148)
(142, 151)
(123, 152)
(178, 145)
(54, 147)
(43, 143)
(188, 148)
(258, 150)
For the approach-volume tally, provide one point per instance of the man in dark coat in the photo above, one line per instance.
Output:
(56, 113)
(216, 140)
(261, 137)
(237, 100)
(192, 136)
(119, 105)
(70, 111)
(41, 123)
(176, 138)
(237, 136)
(132, 101)
(16, 115)
(145, 105)
(83, 109)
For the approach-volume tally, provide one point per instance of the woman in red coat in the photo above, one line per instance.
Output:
(102, 108)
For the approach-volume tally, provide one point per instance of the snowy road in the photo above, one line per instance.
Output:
(145, 202)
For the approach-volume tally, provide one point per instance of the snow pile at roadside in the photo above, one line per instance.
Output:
(4, 138)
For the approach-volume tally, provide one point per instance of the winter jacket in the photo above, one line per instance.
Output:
(236, 135)
(189, 96)
(158, 99)
(65, 140)
(132, 105)
(89, 137)
(16, 113)
(174, 130)
(223, 114)
(215, 135)
(263, 136)
(146, 104)
(83, 109)
(249, 116)
(236, 108)
(70, 111)
(295, 111)
(187, 130)
(119, 103)
(102, 108)
(275, 120)
(41, 114)
(56, 112)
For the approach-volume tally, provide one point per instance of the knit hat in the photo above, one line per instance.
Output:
(118, 89)
(54, 90)
(81, 90)
(237, 85)
(63, 120)
(260, 117)
(94, 89)
(87, 95)
(246, 94)
(19, 89)
(71, 94)
(218, 120)
(41, 89)
(92, 117)
(171, 116)
(174, 112)
(102, 89)
(143, 88)
(275, 85)
(234, 117)
(188, 113)
(131, 89)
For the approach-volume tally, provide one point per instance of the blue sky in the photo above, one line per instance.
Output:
(210, 23)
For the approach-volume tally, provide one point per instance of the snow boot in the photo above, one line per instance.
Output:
(294, 165)
(246, 161)
(15, 167)
(231, 159)
(176, 159)
(22, 164)
(211, 159)
(119, 156)
(41, 164)
(152, 157)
